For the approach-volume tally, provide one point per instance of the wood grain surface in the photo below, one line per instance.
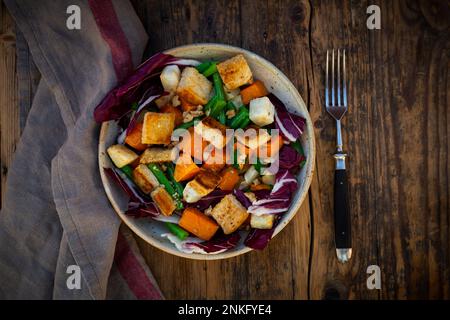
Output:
(396, 134)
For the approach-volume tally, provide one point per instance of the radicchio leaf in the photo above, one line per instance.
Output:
(195, 245)
(210, 200)
(117, 102)
(242, 198)
(291, 126)
(219, 244)
(289, 158)
(258, 239)
(139, 206)
(279, 199)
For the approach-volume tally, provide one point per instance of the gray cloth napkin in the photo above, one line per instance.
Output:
(55, 213)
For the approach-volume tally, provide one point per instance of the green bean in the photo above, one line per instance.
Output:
(239, 118)
(178, 186)
(230, 106)
(203, 66)
(217, 108)
(189, 124)
(128, 171)
(222, 117)
(298, 147)
(218, 86)
(161, 177)
(210, 104)
(176, 230)
(210, 70)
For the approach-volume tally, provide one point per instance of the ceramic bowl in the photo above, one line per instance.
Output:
(276, 82)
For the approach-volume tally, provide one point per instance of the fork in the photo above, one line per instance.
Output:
(337, 107)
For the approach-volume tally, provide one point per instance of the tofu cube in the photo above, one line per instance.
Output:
(157, 155)
(229, 213)
(264, 221)
(170, 77)
(163, 201)
(158, 128)
(253, 138)
(202, 185)
(235, 72)
(262, 111)
(145, 179)
(212, 131)
(194, 87)
(121, 155)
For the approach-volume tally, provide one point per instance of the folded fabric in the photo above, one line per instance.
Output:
(56, 217)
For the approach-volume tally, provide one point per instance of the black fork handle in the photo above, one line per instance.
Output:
(342, 225)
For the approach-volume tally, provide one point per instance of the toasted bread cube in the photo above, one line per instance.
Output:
(262, 111)
(157, 155)
(235, 72)
(230, 214)
(194, 87)
(144, 178)
(170, 77)
(121, 155)
(202, 185)
(212, 131)
(158, 128)
(264, 221)
(163, 201)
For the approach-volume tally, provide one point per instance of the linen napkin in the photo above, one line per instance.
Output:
(56, 218)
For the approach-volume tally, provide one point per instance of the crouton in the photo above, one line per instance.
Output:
(235, 72)
(253, 138)
(157, 155)
(230, 214)
(202, 185)
(170, 77)
(144, 178)
(264, 221)
(163, 201)
(212, 131)
(158, 128)
(194, 87)
(262, 111)
(121, 155)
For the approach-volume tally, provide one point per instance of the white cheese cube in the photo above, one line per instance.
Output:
(170, 77)
(262, 111)
(264, 221)
(121, 155)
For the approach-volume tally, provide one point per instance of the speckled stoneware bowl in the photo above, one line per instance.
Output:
(276, 82)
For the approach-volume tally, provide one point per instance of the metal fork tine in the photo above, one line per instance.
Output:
(344, 81)
(332, 78)
(338, 77)
(326, 84)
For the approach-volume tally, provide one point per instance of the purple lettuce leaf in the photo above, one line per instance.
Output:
(258, 239)
(210, 200)
(139, 206)
(242, 198)
(279, 199)
(261, 194)
(118, 101)
(289, 158)
(291, 126)
(223, 242)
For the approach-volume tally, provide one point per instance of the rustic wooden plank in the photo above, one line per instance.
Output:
(9, 112)
(412, 120)
(337, 24)
(281, 270)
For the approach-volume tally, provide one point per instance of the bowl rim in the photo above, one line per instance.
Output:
(295, 207)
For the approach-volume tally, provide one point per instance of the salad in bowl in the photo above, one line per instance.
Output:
(204, 153)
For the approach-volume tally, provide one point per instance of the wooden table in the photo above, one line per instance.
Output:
(396, 133)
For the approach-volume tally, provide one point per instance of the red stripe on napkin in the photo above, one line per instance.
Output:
(106, 18)
(132, 271)
(128, 264)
